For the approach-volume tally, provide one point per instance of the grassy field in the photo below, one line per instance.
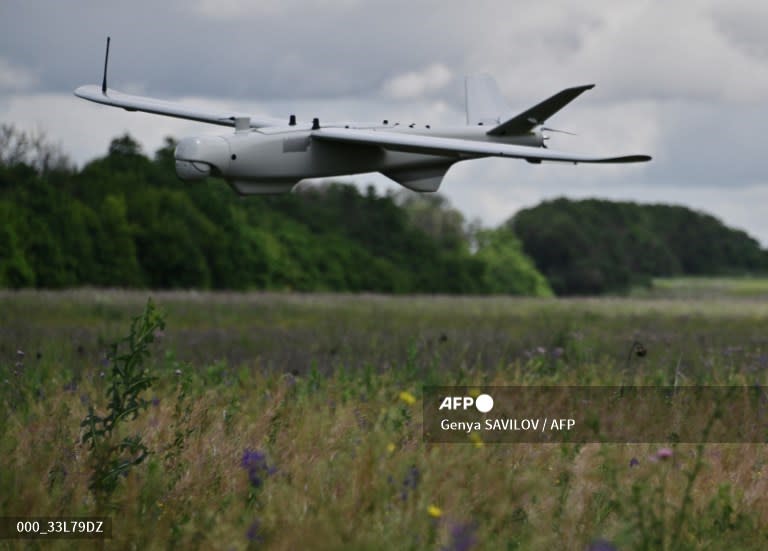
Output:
(295, 421)
(707, 288)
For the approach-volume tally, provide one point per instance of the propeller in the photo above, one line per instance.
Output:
(550, 129)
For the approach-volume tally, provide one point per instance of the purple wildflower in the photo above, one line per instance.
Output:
(601, 545)
(155, 401)
(411, 479)
(662, 454)
(634, 462)
(253, 533)
(255, 462)
(410, 482)
(462, 537)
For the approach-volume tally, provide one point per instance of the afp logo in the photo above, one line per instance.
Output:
(483, 403)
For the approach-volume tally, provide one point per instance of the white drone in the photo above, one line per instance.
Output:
(266, 155)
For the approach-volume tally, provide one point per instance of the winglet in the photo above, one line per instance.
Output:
(106, 60)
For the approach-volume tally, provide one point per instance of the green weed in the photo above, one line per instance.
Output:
(113, 456)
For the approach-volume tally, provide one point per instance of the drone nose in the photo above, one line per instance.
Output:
(198, 157)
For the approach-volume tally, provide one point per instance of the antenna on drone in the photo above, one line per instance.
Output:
(106, 60)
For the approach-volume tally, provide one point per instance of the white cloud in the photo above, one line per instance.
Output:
(14, 79)
(742, 22)
(633, 50)
(247, 9)
(669, 53)
(232, 9)
(416, 84)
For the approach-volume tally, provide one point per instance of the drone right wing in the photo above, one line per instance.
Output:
(458, 149)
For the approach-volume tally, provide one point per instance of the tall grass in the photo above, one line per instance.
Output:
(294, 422)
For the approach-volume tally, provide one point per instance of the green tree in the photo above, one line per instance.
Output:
(507, 269)
(15, 270)
(114, 247)
(595, 246)
(171, 239)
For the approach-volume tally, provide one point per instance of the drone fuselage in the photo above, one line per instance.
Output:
(274, 159)
(265, 155)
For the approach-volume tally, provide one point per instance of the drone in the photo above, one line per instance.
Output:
(268, 156)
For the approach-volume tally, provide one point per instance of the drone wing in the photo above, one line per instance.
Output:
(129, 102)
(459, 149)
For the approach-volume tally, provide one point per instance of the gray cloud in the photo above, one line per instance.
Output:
(15, 79)
(174, 49)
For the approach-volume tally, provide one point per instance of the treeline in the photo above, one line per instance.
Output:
(125, 220)
(592, 246)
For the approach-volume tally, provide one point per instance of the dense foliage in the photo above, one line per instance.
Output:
(125, 220)
(593, 246)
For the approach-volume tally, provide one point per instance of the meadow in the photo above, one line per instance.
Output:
(294, 421)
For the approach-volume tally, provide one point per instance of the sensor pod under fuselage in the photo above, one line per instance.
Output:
(201, 156)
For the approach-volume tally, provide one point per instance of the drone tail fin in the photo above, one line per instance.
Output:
(484, 103)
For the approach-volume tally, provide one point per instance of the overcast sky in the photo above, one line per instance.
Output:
(684, 81)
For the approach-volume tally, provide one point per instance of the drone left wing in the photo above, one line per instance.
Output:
(459, 149)
(129, 102)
